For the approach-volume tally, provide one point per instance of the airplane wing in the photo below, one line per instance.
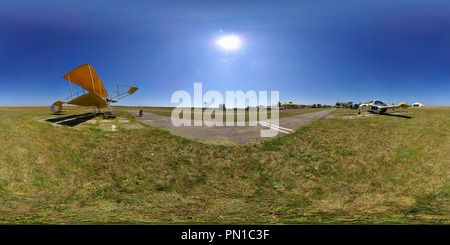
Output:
(401, 105)
(86, 77)
(89, 99)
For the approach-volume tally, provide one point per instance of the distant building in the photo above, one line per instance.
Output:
(289, 105)
(417, 104)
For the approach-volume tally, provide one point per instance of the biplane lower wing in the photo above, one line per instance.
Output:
(89, 99)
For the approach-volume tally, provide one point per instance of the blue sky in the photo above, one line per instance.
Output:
(310, 51)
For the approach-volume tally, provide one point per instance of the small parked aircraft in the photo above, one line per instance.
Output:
(380, 106)
(96, 94)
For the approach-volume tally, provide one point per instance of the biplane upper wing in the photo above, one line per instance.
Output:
(86, 77)
(89, 99)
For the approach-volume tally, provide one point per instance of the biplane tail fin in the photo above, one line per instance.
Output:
(132, 90)
(119, 93)
(57, 106)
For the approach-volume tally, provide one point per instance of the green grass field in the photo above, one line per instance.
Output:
(384, 169)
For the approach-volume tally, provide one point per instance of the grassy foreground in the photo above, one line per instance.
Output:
(384, 169)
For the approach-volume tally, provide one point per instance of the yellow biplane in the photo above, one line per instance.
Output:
(94, 92)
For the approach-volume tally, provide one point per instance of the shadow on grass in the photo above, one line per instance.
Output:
(391, 115)
(396, 115)
(72, 120)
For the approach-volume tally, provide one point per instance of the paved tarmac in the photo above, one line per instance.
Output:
(238, 134)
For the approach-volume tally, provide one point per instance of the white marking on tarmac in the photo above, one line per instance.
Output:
(275, 127)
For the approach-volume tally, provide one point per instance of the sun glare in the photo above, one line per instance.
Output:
(229, 42)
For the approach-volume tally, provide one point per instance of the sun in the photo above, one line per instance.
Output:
(229, 42)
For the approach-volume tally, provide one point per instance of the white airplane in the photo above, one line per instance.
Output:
(380, 106)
